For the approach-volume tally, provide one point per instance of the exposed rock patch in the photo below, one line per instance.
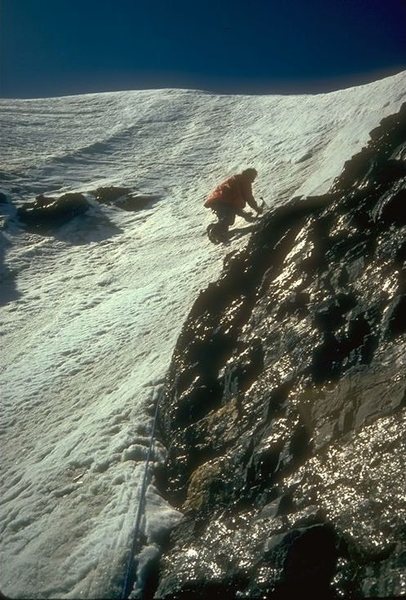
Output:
(46, 213)
(123, 198)
(285, 400)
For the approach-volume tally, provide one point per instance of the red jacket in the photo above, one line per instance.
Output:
(236, 191)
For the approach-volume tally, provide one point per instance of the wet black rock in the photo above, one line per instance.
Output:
(284, 405)
(123, 198)
(46, 213)
(308, 558)
(397, 317)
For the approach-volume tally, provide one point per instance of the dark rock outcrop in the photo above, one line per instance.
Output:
(46, 213)
(284, 406)
(123, 198)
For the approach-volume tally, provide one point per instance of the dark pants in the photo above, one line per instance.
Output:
(226, 217)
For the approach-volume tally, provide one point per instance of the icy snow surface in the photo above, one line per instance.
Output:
(90, 317)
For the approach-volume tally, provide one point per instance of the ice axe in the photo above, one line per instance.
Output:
(263, 205)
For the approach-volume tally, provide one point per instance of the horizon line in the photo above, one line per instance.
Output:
(303, 87)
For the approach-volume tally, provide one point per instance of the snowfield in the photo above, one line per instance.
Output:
(90, 316)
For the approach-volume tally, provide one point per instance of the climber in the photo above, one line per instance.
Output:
(228, 200)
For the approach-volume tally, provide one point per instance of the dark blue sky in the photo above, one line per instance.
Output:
(58, 47)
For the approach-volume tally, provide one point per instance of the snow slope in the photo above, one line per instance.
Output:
(90, 317)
